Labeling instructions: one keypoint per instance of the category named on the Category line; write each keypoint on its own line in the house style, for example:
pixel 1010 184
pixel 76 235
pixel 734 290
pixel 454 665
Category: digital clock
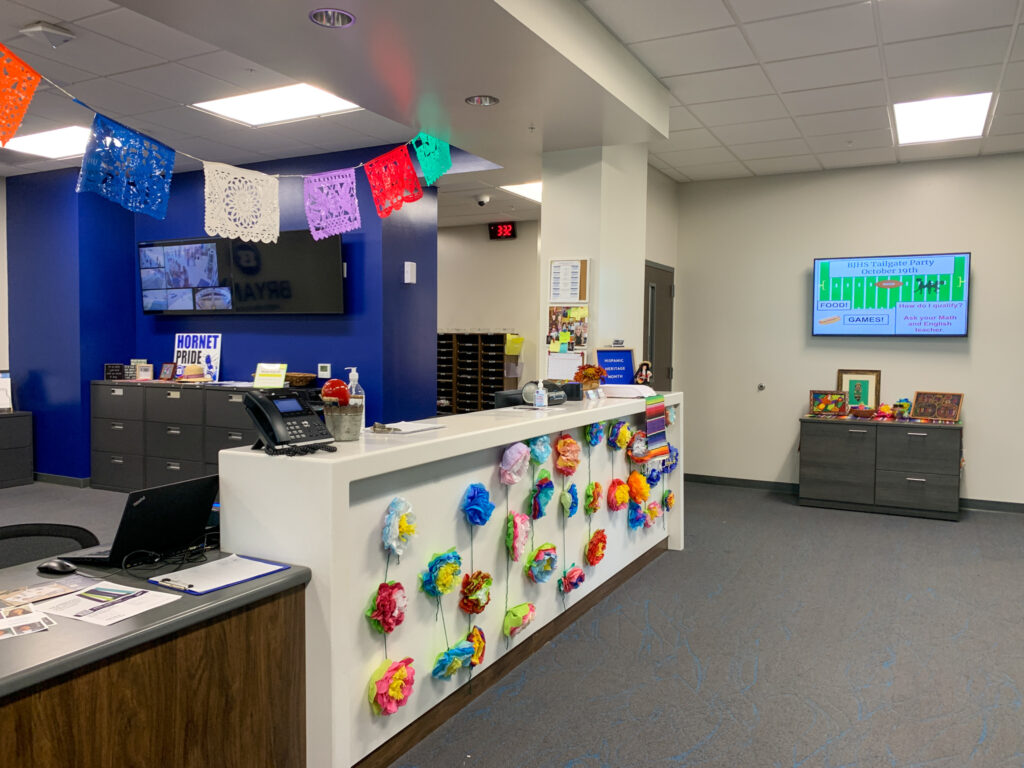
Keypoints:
pixel 502 230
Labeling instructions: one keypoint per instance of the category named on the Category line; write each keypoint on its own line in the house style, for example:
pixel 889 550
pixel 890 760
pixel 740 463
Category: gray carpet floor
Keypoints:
pixel 781 636
pixel 98 511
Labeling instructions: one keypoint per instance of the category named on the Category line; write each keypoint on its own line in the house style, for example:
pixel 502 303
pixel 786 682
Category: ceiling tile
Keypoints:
pixel 939 150
pixel 376 127
pixel 107 95
pixel 160 132
pixel 716 86
pixel 327 133
pixel 69 10
pixel 656 162
pixel 844 122
pixel 675 175
pixel 740 110
pixel 955 82
pixel 680 118
pixel 34 124
pixel 912 19
pixel 1017 52
pixel 635 21
pixel 1014 75
pixel 696 156
pixel 88 51
pixel 755 10
pixel 840 142
pixel 995 145
pixel 62 74
pixel 246 74
pixel 807 34
pixel 139 31
pixel 14 16
pixel 183 164
pixel 937 54
pixel 60 109
pixel 698 52
pixel 766 149
pixel 858 157
pixel 828 69
pixel 774 165
pixel 1007 124
pixel 206 149
pixel 189 121
pixel 1010 103
pixel 178 83
pixel 765 130
pixel 695 138
pixel 835 99
pixel 733 170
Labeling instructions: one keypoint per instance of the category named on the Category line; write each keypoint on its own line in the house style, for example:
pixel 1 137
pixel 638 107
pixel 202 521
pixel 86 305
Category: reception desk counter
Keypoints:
pixel 326 510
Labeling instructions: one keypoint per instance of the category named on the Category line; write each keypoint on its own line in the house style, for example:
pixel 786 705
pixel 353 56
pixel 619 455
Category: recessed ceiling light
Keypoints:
pixel 56 144
pixel 944 119
pixel 278 105
pixel 332 18
pixel 482 100
pixel 530 191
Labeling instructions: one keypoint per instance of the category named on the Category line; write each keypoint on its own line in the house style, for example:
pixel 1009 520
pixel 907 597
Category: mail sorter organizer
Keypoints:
pixel 152 433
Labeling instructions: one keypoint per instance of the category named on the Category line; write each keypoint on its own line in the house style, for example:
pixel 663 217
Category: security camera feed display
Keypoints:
pixel 182 277
pixel 924 295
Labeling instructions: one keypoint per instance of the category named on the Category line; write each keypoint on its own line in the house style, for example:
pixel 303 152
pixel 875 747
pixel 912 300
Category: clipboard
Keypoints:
pixel 218 574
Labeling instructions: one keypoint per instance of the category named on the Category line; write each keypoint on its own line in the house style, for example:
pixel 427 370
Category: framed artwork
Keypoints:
pixel 167 371
pixel 144 372
pixel 941 406
pixel 826 402
pixel 861 387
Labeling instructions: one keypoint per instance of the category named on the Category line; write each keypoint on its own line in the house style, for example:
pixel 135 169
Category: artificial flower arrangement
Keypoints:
pixel 540 449
pixel 619 436
pixel 653 476
pixel 514 463
pixel 590 376
pixel 387 607
pixel 668 466
pixel 517 533
pixel 639 490
pixel 668 500
pixel 390 686
pixel 476 637
pixel 570 500
pixel 542 493
pixel 593 498
pixel 595 434
pixel 517 619
pixel 618 495
pixel 541 563
pixel 571 579
pixel 439 578
pixel 596 547
pixel 637 518
pixel 477 505
pixel 568 455
pixel 399 526
pixel 475 593
pixel 653 513
pixel 450 661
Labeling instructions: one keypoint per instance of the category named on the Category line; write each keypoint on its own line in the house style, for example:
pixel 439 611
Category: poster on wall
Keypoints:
pixel 6 392
pixel 568 282
pixel 197 349
pixel 568 326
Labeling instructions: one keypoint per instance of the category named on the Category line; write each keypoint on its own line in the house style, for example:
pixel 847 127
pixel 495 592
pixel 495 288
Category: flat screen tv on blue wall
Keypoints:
pixel 922 295
pixel 210 275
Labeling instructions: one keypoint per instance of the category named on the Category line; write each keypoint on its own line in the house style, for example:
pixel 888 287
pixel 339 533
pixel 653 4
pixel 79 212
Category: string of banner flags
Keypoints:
pixel 134 170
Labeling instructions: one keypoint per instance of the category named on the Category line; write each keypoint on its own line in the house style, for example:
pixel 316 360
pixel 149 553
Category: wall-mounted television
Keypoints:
pixel 211 275
pixel 920 295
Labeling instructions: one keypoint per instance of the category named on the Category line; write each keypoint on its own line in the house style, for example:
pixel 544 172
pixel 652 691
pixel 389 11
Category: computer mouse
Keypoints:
pixel 56 566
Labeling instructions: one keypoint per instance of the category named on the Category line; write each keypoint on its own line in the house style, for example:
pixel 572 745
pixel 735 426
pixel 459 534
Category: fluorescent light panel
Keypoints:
pixel 532 191
pixel 278 105
pixel 56 144
pixel 944 119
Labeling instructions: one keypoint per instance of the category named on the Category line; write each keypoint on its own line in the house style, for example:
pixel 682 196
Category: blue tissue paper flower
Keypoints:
pixel 451 661
pixel 476 504
pixel 540 449
pixel 637 516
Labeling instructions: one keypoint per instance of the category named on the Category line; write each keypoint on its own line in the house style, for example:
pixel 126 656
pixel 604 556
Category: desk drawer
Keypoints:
pixel 15 466
pixel 117 471
pixel 839 445
pixel 218 438
pixel 117 435
pixel 919 448
pixel 16 431
pixel 116 401
pixel 171 404
pixel 174 441
pixel 164 471
pixel 917 490
pixel 225 409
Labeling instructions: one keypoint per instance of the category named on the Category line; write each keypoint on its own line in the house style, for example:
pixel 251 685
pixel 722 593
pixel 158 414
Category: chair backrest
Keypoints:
pixel 26 542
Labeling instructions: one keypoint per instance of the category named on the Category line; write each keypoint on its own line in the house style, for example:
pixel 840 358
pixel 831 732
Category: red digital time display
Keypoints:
pixel 502 230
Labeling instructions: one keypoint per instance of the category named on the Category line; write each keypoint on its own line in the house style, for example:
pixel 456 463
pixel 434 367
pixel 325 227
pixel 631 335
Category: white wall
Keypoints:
pixel 485 284
pixel 746 249
pixel 5 362
pixel 662 219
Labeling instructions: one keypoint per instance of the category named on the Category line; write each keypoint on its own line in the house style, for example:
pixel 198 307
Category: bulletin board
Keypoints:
pixel 618 362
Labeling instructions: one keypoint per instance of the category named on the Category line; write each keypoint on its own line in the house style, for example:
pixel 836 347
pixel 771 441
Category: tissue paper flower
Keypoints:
pixel 639 490
pixel 619 436
pixel 653 476
pixel 390 686
pixel 653 513
pixel 668 500
pixel 387 607
pixel 669 464
pixel 542 494
pixel 571 579
pixel 399 526
pixel 595 434
pixel 476 591
pixel 568 458
pixel 593 498
pixel 517 533
pixel 596 546
pixel 570 500
pixel 476 504
pixel 618 495
pixel 517 618
pixel 540 449
pixel 514 462
pixel 451 661
pixel 541 563
pixel 476 637
pixel 637 517
pixel 439 578
pixel 637 448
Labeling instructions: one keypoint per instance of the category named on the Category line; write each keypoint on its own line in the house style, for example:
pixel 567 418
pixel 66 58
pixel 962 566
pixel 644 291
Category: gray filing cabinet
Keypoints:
pixel 16 466
pixel 893 467
pixel 153 433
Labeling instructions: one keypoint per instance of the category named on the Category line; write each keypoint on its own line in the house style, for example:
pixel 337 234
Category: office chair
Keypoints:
pixel 29 542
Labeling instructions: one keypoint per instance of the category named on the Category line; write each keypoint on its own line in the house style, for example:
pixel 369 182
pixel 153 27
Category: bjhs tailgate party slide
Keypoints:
pixel 891 296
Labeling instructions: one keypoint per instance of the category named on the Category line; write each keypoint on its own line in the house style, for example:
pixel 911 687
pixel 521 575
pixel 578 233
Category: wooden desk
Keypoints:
pixel 217 680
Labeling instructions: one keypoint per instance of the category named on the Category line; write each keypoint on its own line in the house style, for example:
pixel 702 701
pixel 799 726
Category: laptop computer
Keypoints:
pixel 156 521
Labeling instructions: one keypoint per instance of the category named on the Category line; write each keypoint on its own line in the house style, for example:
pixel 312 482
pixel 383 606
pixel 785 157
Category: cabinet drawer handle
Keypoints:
pixel 173 394
pixel 173 466
pixel 859 431
pixel 174 430
pixel 917 434
pixel 116 460
pixel 235 436
pixel 236 398
pixel 117 392
pixel 917 480
pixel 117 427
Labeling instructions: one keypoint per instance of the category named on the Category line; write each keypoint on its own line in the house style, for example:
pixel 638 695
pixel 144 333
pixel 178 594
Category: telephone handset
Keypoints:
pixel 286 422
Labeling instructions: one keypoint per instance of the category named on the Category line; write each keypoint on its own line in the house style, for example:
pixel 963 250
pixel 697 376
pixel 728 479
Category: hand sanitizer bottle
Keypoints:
pixel 356 394
pixel 540 396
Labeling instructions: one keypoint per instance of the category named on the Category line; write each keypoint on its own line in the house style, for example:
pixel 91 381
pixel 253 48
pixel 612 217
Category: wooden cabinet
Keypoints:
pixel 470 370
pixel 891 467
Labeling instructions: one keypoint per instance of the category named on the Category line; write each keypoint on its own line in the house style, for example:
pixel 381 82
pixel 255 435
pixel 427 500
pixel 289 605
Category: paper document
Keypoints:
pixel 44 590
pixel 23 620
pixel 405 427
pixel 217 574
pixel 107 603
pixel 627 390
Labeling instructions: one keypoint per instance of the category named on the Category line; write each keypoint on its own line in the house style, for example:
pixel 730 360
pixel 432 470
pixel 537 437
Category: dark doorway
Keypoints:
pixel 659 295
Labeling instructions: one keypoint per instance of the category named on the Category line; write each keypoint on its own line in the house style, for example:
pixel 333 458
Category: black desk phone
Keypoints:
pixel 287 422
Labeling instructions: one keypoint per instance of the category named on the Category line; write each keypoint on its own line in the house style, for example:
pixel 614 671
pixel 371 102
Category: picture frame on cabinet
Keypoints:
pixel 167 371
pixel 827 402
pixel 937 406
pixel 861 387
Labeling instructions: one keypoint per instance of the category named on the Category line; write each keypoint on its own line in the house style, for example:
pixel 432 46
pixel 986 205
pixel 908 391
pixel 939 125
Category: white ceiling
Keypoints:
pixel 753 87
